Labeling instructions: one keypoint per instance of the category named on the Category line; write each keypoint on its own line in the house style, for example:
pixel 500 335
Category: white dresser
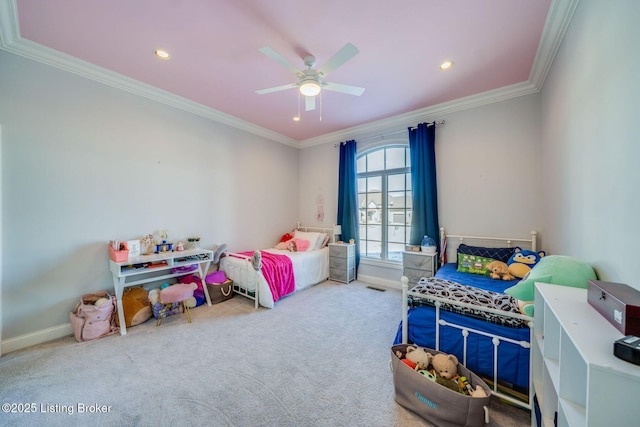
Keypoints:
pixel 576 378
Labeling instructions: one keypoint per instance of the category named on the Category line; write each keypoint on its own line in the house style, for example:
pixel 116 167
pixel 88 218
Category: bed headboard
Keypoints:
pixel 331 232
pixel 452 241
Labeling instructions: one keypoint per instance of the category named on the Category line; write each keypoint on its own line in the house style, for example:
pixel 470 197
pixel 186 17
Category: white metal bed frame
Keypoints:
pixel 528 243
pixel 249 274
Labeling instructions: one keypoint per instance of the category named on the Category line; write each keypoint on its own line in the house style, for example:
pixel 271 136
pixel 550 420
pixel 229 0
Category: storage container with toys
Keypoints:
pixel 438 388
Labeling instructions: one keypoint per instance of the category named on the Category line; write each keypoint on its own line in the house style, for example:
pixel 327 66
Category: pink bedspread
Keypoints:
pixel 278 272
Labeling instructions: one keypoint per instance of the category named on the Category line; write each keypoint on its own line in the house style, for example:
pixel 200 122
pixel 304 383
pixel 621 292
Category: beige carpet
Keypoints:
pixel 319 358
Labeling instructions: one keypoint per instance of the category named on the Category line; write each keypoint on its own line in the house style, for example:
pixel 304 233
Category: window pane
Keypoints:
pixel 375 161
pixel 362 185
pixel 396 182
pixel 374 200
pixel 374 232
pixel 397 217
pixel 408 238
pixel 372 249
pixel 361 165
pixel 374 183
pixel 362 201
pixel 395 158
pixel 409 200
pixel 408 180
pixel 395 234
pixel 395 251
pixel 396 200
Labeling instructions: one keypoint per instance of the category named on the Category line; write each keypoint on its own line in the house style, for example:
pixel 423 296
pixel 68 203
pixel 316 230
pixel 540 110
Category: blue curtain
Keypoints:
pixel 422 153
pixel 348 195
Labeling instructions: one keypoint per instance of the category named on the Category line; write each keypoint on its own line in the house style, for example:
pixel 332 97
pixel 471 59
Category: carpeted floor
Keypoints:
pixel 319 358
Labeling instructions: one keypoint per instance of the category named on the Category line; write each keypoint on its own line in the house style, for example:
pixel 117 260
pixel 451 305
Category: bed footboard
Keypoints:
pixel 245 272
pixel 466 331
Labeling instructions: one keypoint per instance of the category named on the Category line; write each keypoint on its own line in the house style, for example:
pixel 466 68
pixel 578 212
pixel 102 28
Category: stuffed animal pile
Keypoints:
pixel 440 368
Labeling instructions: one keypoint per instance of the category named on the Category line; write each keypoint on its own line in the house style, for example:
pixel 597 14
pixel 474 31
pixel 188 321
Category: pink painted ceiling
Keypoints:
pixel 216 61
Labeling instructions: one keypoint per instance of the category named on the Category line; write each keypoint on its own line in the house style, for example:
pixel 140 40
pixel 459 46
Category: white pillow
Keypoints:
pixel 315 239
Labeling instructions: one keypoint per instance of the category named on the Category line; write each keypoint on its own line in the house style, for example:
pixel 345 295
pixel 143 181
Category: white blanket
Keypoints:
pixel 309 268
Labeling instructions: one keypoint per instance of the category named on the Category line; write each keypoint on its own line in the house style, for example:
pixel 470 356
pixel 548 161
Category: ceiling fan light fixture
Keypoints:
pixel 309 87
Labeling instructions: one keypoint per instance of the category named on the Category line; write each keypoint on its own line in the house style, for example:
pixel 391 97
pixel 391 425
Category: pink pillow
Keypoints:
pixel 301 244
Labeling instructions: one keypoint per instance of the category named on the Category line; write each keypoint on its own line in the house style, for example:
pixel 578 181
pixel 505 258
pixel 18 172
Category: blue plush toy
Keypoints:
pixel 522 261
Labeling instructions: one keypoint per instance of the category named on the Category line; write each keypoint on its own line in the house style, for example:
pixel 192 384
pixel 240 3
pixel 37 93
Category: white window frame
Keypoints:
pixel 364 150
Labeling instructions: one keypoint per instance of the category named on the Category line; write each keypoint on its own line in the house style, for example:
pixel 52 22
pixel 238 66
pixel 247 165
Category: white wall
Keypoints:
pixel 83 163
pixel 591 149
pixel 489 175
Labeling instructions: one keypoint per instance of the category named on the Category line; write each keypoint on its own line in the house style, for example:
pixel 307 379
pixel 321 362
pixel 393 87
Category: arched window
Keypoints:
pixel 384 200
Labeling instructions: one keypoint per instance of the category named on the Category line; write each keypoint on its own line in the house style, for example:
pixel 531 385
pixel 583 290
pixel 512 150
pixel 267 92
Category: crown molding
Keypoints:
pixel 558 20
pixel 402 121
pixel 556 25
pixel 12 42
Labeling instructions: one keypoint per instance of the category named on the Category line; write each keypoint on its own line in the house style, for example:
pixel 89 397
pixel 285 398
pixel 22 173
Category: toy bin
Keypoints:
pixel 219 287
pixel 437 403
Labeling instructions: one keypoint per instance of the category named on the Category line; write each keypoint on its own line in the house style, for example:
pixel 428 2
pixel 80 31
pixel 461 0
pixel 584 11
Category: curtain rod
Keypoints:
pixel 437 122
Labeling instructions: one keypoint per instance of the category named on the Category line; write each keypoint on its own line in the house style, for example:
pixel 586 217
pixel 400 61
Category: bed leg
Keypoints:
pixel 405 307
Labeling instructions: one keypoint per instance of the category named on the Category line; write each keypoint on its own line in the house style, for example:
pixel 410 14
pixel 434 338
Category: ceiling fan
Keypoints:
pixel 311 81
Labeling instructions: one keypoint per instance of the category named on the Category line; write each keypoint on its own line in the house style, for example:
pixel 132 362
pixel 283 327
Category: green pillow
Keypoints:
pixel 555 269
pixel 474 264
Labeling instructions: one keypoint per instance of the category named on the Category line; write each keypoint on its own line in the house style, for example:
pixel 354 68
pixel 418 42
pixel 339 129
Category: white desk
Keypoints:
pixel 147 272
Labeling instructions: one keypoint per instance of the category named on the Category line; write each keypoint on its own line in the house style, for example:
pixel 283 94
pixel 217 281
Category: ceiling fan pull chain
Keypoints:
pixel 320 106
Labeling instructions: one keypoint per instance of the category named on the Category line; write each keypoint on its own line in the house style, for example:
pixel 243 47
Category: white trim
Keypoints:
pixel 558 19
pixel 11 41
pixel 372 280
pixel 37 337
pixel 403 121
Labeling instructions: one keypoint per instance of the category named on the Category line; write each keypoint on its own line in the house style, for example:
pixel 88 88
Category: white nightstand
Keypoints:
pixel 342 262
pixel 418 264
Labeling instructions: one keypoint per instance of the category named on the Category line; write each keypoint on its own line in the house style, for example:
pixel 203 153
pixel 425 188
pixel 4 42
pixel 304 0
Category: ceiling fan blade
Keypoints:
pixel 337 87
pixel 276 89
pixel 280 59
pixel 342 56
pixel 310 103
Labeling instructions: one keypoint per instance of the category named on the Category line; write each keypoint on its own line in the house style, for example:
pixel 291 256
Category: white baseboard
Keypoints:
pixel 389 284
pixel 33 338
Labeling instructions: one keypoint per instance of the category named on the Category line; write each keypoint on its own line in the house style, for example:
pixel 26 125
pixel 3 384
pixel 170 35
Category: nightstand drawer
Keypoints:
pixel 418 261
pixel 342 275
pixel 343 263
pixel 414 275
pixel 342 251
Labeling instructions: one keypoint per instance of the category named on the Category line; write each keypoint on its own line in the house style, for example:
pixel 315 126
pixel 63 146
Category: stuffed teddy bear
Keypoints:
pixel 499 270
pixel 445 368
pixel 418 357
pixel 135 304
pixel 522 261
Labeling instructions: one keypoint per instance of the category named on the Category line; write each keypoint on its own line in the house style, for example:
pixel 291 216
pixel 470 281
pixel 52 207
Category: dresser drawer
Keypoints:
pixel 418 261
pixel 342 275
pixel 343 263
pixel 414 275
pixel 342 251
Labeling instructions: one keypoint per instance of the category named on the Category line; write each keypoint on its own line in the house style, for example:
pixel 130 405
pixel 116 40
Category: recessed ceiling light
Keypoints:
pixel 446 65
pixel 162 54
